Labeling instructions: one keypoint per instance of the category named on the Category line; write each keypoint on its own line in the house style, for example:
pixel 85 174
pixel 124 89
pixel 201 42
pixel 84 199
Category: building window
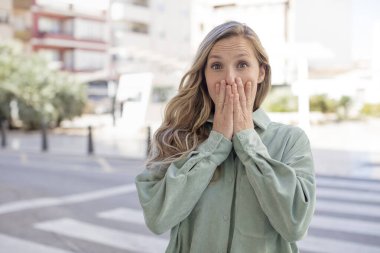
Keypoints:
pixel 4 16
pixel 138 27
pixel 144 3
pixel 83 60
pixel 50 26
pixel 50 54
pixel 87 29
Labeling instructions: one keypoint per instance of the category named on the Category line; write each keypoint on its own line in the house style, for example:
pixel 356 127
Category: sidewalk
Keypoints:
pixel 107 141
pixel 343 149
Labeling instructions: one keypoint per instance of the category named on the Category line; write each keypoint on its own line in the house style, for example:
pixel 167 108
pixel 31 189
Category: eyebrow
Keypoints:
pixel 219 57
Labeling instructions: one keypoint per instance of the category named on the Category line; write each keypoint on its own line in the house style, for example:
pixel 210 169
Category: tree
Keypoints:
pixel 322 103
pixel 42 95
pixel 69 99
pixel 345 103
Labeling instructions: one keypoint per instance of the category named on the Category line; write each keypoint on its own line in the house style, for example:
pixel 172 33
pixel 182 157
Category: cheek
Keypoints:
pixel 249 77
pixel 252 76
pixel 211 87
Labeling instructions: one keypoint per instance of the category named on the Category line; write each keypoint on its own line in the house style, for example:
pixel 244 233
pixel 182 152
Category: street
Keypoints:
pixel 57 204
pixel 52 203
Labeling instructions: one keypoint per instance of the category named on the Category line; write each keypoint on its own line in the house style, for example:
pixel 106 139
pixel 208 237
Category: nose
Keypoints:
pixel 230 76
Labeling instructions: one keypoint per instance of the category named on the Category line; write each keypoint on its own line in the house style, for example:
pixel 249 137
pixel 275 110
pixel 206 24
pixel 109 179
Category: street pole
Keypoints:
pixel 3 133
pixel 90 146
pixel 44 135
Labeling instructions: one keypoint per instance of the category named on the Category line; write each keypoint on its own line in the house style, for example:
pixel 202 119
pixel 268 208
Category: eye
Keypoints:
pixel 242 65
pixel 216 66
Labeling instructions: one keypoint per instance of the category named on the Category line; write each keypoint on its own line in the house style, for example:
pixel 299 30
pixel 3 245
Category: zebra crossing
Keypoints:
pixel 110 237
pixel 347 212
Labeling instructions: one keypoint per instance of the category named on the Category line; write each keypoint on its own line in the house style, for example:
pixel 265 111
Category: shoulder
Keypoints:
pixel 283 129
pixel 289 137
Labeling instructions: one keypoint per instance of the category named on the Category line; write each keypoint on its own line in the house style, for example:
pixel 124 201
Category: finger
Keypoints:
pixel 242 93
pixel 221 96
pixel 248 91
pixel 236 102
pixel 228 94
pixel 230 104
pixel 234 88
pixel 254 92
pixel 217 91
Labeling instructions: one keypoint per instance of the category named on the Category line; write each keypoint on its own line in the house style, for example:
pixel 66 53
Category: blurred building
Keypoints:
pixel 151 36
pixel 305 40
pixel 6 31
pixel 72 38
pixel 270 19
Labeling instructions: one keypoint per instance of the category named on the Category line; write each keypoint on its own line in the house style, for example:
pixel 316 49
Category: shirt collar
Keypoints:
pixel 260 119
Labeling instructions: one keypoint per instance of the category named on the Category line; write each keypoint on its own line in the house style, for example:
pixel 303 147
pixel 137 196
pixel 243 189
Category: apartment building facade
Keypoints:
pixel 72 39
pixel 150 36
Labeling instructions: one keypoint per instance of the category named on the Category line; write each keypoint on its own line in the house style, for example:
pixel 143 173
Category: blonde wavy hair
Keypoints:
pixel 184 125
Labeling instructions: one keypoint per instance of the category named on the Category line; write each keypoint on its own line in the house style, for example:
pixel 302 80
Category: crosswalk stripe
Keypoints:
pixel 326 245
pixel 352 195
pixel 16 245
pixel 70 199
pixel 348 208
pixel 346 225
pixel 125 215
pixel 106 167
pixel 348 183
pixel 106 236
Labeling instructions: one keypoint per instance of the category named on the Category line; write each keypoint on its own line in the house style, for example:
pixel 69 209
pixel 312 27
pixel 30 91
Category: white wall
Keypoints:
pixel 326 26
pixel 376 54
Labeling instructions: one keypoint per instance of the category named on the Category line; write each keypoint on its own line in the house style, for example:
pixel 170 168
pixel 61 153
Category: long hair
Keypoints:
pixel 183 127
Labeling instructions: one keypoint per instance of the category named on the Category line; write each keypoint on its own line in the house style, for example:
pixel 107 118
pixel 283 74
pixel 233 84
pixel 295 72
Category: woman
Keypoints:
pixel 221 175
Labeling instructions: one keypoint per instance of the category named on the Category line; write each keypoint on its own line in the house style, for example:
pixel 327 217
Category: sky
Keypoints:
pixel 365 14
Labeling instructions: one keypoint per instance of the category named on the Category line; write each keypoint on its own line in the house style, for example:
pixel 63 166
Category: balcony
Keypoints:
pixel 130 12
pixel 71 29
pixel 60 42
pixel 130 38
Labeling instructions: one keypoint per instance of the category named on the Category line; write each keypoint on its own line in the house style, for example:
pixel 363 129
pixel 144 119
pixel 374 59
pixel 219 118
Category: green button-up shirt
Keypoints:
pixel 262 202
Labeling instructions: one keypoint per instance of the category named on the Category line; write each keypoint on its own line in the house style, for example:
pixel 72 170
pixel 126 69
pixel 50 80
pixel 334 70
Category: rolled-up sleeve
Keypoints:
pixel 168 200
pixel 285 189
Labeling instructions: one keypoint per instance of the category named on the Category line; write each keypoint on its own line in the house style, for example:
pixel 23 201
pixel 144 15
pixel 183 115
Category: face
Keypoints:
pixel 229 59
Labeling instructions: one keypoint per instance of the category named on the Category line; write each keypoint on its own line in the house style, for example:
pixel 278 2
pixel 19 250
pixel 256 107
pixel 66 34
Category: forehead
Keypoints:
pixel 232 45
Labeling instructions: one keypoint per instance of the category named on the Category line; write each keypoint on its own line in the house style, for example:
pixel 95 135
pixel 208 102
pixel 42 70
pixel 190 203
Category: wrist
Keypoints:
pixel 244 127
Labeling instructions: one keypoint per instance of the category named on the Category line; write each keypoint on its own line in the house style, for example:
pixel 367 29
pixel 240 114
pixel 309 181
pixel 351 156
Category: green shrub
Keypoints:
pixel 322 103
pixel 370 109
pixel 40 93
pixel 280 99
